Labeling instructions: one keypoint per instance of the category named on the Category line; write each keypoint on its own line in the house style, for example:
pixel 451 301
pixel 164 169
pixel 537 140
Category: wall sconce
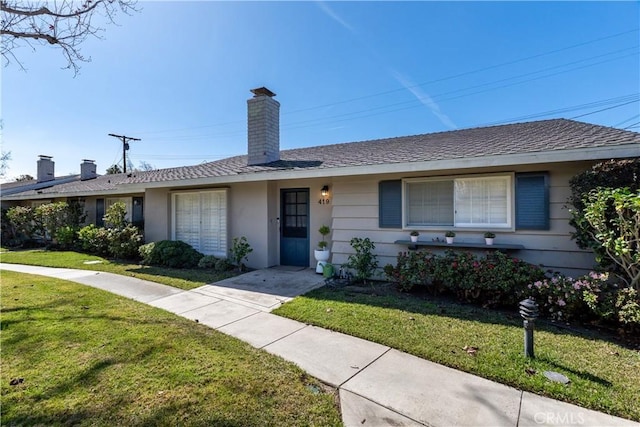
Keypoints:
pixel 325 191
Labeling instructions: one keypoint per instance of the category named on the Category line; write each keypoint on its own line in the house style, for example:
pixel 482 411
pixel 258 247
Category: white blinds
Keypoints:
pixel 200 219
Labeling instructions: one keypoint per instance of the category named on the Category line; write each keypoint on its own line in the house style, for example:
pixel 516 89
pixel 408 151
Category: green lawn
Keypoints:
pixel 179 278
pixel 88 357
pixel 605 376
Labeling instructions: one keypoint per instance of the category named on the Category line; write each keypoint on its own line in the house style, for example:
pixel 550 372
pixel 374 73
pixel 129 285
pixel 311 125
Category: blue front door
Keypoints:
pixel 294 227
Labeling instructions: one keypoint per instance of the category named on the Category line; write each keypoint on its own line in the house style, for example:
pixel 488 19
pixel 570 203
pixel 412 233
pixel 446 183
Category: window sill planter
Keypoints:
pixel 488 241
pixel 502 247
pixel 449 240
pixel 414 238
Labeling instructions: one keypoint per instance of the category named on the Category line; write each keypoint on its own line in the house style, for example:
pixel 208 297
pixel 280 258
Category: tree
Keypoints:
pixel 5 156
pixel 25 177
pixel 65 24
pixel 113 169
pixel 145 166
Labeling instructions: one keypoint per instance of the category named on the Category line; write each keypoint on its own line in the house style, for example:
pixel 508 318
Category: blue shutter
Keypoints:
pixel 390 204
pixel 100 212
pixel 532 201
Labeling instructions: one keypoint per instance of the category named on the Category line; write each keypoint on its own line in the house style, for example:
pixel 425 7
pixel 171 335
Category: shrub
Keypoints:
pixel 413 269
pixel 145 252
pixel 170 253
pixel 613 216
pixel 66 237
pixel 364 261
pixel 222 265
pixel 627 307
pixel 590 297
pixel 564 298
pixel 115 216
pixel 23 221
pixel 494 280
pixel 240 249
pixel 207 261
pixel 51 217
pixel 94 240
pixel 620 173
pixel 124 243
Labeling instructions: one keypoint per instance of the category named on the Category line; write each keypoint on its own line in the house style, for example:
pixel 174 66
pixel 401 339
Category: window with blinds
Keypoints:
pixel 200 219
pixel 459 202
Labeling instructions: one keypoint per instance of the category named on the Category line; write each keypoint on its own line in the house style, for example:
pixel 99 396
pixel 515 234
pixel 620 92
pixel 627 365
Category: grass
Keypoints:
pixel 179 278
pixel 88 357
pixel 605 376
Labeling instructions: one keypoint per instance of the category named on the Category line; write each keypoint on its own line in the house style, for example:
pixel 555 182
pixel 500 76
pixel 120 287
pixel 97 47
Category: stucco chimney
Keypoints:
pixel 88 170
pixel 45 168
pixel 263 117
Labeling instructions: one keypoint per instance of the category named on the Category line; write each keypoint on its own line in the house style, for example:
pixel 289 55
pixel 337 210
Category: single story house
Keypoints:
pixel 510 179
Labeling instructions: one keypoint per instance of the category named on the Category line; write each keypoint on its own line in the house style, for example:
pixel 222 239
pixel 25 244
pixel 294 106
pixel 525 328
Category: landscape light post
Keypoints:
pixel 529 312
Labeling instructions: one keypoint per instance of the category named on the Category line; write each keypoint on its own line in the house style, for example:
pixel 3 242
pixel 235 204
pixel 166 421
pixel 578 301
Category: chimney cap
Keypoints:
pixel 44 156
pixel 88 161
pixel 262 91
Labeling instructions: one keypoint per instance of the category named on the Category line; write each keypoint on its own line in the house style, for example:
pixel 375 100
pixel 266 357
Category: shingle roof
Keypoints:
pixel 520 138
pixel 8 188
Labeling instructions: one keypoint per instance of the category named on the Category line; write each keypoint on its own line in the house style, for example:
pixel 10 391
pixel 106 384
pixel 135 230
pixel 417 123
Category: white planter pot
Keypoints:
pixel 488 241
pixel 449 240
pixel 322 257
pixel 414 238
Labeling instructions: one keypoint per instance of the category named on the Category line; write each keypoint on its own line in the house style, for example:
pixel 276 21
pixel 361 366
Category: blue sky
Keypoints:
pixel 178 74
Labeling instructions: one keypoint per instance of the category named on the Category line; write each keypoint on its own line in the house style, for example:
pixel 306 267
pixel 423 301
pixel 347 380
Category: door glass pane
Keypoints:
pixel 295 214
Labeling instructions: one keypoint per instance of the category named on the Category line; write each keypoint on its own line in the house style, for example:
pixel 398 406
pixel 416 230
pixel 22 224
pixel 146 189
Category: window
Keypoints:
pixel 471 202
pixel 466 202
pixel 200 219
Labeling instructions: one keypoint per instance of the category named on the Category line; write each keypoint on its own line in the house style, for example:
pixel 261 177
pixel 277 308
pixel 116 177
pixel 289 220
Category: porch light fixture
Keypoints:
pixel 325 191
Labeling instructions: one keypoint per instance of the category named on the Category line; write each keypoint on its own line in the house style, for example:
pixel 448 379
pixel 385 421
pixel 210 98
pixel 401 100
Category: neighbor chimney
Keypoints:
pixel 263 113
pixel 45 168
pixel 87 170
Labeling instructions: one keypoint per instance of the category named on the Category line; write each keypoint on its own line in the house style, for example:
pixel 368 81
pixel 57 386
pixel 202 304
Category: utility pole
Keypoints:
pixel 125 147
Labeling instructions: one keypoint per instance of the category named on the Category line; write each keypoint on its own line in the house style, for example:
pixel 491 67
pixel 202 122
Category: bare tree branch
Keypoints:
pixel 64 24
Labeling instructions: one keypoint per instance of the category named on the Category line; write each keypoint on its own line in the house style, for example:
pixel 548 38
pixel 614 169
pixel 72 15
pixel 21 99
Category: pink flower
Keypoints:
pixel 561 302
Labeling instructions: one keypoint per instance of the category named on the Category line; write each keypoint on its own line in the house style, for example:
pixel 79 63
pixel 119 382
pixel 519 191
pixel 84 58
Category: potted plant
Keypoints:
pixel 322 254
pixel 414 236
pixel 488 237
pixel 449 235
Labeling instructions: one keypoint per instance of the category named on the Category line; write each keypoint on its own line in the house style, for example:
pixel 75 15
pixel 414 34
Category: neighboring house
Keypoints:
pixel 510 179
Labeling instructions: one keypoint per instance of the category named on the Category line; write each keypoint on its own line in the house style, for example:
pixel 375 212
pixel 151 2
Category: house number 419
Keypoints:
pixel 324 201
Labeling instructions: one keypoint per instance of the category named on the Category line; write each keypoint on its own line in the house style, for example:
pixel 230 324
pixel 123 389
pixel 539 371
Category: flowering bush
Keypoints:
pixel 565 298
pixel 414 268
pixel 494 280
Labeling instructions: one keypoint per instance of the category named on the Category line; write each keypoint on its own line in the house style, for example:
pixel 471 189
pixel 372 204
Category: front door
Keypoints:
pixel 294 227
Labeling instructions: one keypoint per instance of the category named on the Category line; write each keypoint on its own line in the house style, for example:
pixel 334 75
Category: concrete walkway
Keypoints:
pixel 378 386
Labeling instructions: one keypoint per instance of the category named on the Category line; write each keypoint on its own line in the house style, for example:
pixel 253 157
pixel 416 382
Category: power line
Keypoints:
pixel 604 109
pixel 503 64
pixel 491 67
pixel 626 120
